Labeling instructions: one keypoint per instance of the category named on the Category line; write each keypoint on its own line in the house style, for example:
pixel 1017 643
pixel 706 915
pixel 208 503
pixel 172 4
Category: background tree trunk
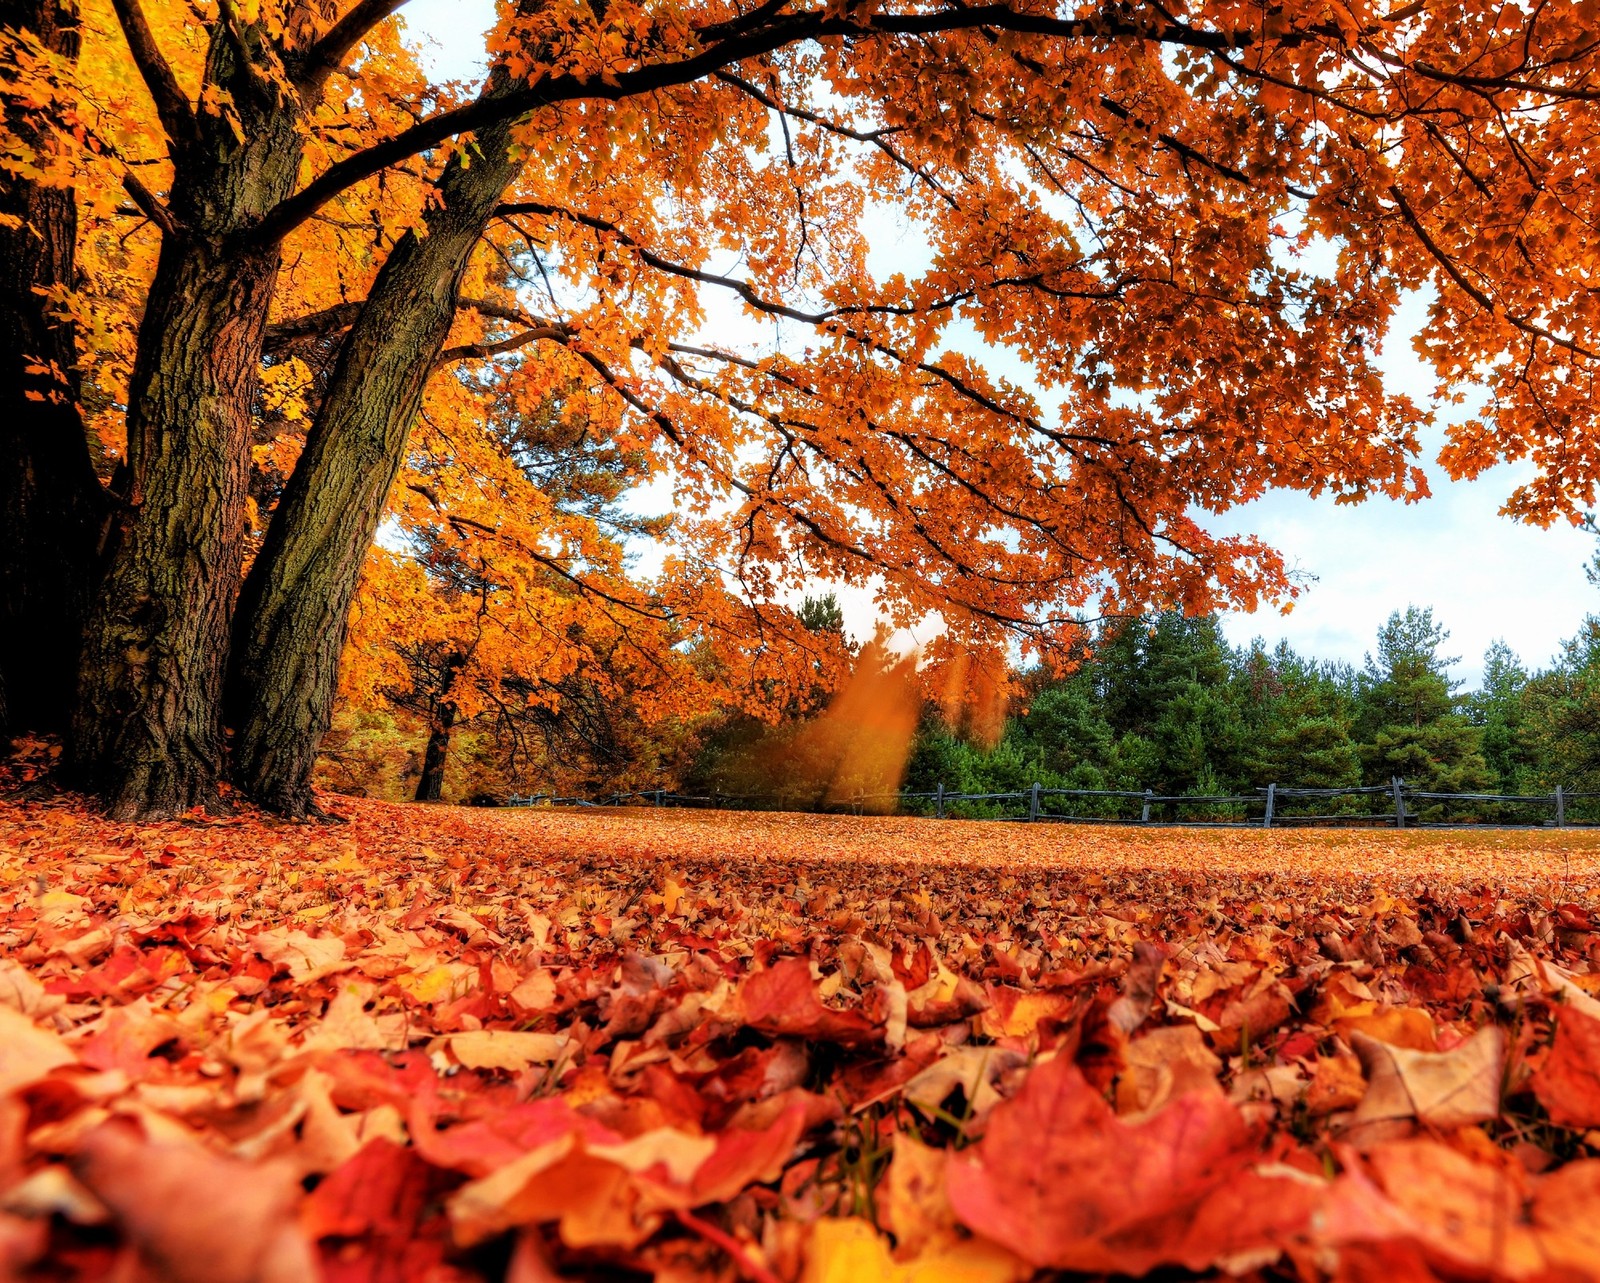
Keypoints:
pixel 431 786
pixel 290 626
pixel 52 505
pixel 146 734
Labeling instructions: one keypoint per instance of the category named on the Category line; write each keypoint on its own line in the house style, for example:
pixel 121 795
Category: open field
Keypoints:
pixel 478 1045
pixel 1524 857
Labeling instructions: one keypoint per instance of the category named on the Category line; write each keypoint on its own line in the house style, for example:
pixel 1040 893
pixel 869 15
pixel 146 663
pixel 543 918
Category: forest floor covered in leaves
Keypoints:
pixel 445 1044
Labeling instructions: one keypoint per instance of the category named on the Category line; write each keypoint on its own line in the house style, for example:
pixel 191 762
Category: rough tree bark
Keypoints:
pixel 52 505
pixel 290 625
pixel 146 733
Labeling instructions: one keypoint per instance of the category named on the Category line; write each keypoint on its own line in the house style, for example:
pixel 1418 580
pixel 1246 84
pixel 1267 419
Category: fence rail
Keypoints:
pixel 1400 806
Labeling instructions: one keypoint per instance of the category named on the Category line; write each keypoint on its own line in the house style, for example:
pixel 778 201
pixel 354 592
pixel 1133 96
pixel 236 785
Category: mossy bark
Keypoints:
pixel 146 733
pixel 290 627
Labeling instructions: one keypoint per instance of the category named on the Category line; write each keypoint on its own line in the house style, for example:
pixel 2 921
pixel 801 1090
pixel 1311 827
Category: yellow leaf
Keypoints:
pixel 851 1251
pixel 505 1049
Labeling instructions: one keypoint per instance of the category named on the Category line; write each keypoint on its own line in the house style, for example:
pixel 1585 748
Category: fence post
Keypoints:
pixel 1144 814
pixel 1272 797
pixel 938 801
pixel 1033 802
pixel 1561 808
pixel 1397 784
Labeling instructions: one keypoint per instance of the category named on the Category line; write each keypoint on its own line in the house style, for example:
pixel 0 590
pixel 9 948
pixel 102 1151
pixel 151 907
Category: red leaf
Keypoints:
pixel 782 1000
pixel 1065 1184
pixel 1568 1083
pixel 389 1199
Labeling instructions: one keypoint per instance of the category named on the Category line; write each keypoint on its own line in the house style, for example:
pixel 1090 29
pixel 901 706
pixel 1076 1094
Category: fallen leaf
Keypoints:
pixel 782 1000
pixel 1139 985
pixel 851 1251
pixel 194 1216
pixel 912 1198
pixel 1166 1062
pixel 1443 1089
pixel 27 1052
pixel 1568 1082
pixel 505 1049
pixel 1065 1184
pixel 975 1070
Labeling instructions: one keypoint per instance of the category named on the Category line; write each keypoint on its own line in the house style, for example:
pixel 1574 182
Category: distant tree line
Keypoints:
pixel 1166 703
pixel 1162 703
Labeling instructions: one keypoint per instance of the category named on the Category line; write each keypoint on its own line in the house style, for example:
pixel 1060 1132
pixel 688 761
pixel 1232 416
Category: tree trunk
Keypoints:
pixel 146 733
pixel 431 786
pixel 51 503
pixel 290 626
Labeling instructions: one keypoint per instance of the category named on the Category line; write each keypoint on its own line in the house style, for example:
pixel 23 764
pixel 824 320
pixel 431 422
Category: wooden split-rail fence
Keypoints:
pixel 1393 805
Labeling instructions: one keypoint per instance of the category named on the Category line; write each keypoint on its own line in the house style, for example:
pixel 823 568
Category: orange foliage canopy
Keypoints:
pixel 1150 257
pixel 457 1045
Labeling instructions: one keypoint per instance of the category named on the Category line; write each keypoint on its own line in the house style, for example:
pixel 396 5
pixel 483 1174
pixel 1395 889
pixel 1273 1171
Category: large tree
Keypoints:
pixel 52 506
pixel 1120 196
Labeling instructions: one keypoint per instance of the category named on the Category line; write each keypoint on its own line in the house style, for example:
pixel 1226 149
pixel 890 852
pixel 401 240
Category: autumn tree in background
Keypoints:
pixel 1119 198
pixel 503 607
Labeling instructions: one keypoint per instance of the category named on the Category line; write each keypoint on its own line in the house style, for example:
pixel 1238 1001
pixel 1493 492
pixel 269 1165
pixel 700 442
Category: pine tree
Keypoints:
pixel 1298 722
pixel 1408 716
pixel 1498 708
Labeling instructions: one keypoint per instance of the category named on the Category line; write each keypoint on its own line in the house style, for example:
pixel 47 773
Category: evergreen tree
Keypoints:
pixel 1407 713
pixel 1167 681
pixel 1558 717
pixel 1065 722
pixel 822 615
pixel 1498 708
pixel 1297 719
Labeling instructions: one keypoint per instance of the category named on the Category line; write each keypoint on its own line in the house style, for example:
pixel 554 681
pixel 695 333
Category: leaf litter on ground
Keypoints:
pixel 451 1045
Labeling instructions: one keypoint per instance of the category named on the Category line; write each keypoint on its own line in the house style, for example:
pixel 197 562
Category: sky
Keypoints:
pixel 1486 577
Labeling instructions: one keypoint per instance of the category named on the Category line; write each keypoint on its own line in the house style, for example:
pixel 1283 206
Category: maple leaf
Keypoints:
pixel 1443 1089
pixel 242 1231
pixel 27 1052
pixel 1568 1082
pixel 1065 1184
pixel 783 1000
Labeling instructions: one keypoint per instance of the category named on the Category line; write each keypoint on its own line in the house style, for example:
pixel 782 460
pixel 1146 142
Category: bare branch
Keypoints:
pixel 172 104
pixel 327 56
pixel 482 351
pixel 150 205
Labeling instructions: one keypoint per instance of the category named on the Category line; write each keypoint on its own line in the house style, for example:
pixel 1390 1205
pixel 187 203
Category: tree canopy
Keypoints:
pixel 1163 247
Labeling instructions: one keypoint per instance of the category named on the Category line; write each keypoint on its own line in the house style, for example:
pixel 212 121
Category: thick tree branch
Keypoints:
pixel 482 351
pixel 327 56
pixel 784 30
pixel 329 320
pixel 341 316
pixel 172 104
pixel 150 205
